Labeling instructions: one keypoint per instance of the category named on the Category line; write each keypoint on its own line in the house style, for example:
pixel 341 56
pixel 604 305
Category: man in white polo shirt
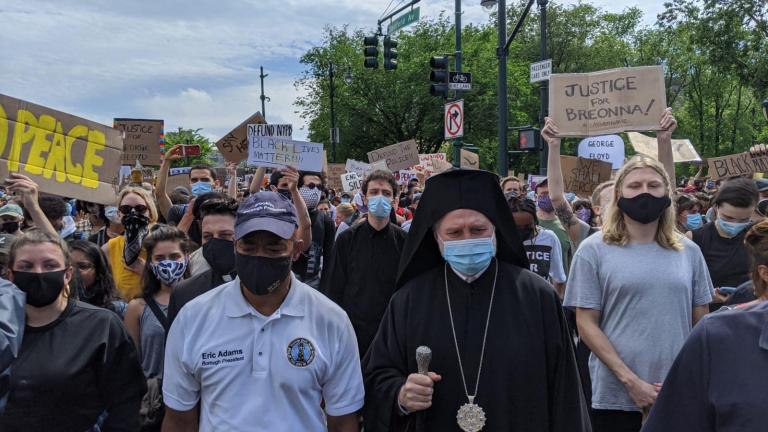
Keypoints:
pixel 260 353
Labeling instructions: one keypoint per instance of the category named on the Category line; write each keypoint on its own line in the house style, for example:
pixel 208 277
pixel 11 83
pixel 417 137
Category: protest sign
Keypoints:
pixel 350 182
pixel 534 180
pixel 582 176
pixel 234 145
pixel 734 165
pixel 682 149
pixel 65 155
pixel 608 148
pixel 333 175
pixel 610 101
pixel 276 152
pixel 426 161
pixel 397 156
pixel 404 176
pixel 469 160
pixel 143 141
pixel 178 177
pixel 361 168
pixel 380 164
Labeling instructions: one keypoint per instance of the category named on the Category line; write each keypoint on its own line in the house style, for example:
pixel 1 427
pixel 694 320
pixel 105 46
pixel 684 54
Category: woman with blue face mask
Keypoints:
pixel 689 215
pixel 147 317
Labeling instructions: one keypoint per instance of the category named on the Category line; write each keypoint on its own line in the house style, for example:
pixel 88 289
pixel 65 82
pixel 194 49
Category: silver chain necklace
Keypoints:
pixel 470 417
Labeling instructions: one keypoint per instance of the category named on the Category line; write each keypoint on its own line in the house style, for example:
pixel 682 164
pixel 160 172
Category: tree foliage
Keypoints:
pixel 714 52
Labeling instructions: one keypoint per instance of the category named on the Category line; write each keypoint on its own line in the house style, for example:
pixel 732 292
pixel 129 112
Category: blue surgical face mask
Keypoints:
pixel 695 221
pixel 200 188
pixel 732 229
pixel 469 257
pixel 380 206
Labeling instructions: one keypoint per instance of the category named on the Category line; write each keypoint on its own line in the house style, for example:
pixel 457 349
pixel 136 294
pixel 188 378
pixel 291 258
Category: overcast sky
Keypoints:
pixel 193 63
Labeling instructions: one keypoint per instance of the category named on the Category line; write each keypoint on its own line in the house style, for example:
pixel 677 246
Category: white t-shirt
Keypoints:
pixel 545 255
pixel 253 372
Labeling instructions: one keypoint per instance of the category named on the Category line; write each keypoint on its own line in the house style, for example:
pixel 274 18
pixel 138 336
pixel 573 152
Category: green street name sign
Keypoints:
pixel 403 21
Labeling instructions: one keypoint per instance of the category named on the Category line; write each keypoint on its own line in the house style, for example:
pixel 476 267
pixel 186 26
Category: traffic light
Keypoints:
pixel 371 52
pixel 439 76
pixel 528 139
pixel 390 53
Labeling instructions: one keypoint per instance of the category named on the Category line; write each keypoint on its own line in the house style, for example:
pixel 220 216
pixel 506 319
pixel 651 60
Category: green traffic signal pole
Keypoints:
pixel 457 141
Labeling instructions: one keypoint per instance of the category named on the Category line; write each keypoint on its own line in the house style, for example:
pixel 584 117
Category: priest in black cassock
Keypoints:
pixel 501 355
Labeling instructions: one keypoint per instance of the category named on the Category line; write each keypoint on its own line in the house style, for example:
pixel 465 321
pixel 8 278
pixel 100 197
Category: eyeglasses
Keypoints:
pixel 127 209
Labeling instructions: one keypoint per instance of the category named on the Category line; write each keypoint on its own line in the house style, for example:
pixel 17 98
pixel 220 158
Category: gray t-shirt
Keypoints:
pixel 645 294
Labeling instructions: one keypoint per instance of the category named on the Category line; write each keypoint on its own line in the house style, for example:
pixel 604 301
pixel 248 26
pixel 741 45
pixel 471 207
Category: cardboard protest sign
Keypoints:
pixel 361 168
pixel 380 164
pixel 469 159
pixel 234 145
pixel 143 141
pixel 333 177
pixel 65 155
pixel 682 149
pixel 608 148
pixel 277 152
pixel 734 165
pixel 610 101
pixel 350 182
pixel 398 156
pixel 404 176
pixel 178 177
pixel 582 176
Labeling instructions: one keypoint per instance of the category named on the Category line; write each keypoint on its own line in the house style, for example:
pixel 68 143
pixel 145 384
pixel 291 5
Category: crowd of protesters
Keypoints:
pixel 283 304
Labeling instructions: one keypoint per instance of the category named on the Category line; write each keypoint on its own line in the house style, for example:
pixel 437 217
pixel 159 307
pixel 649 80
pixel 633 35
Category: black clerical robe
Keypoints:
pixel 361 275
pixel 529 381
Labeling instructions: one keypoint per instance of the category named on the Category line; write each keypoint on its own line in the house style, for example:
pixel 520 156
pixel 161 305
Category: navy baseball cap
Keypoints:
pixel 266 211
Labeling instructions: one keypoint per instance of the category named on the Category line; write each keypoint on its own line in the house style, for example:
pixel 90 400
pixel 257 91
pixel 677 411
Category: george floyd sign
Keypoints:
pixel 65 155
pixel 606 102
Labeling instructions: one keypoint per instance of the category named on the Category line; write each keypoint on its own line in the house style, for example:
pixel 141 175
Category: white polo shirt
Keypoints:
pixel 252 372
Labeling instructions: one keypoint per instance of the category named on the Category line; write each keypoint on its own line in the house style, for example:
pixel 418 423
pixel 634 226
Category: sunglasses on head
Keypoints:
pixel 127 209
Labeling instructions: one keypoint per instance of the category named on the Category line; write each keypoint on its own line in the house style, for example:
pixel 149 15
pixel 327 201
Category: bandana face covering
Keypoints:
pixel 135 230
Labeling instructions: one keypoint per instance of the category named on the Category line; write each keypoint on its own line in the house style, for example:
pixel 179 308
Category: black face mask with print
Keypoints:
pixel 262 275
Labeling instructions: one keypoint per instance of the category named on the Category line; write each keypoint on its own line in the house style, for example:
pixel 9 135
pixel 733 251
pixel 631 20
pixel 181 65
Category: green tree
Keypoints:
pixel 191 137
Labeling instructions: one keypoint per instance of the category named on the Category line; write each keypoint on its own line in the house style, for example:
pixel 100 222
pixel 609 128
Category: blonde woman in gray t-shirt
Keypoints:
pixel 638 287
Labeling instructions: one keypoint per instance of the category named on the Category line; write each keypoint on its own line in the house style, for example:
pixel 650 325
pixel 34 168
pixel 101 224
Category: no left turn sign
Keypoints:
pixel 454 119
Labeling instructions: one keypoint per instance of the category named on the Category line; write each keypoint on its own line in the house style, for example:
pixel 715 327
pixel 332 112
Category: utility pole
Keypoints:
pixel 334 131
pixel 457 141
pixel 544 85
pixel 263 98
pixel 501 53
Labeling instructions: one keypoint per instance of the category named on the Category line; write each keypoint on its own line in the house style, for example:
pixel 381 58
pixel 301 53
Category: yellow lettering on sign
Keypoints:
pixel 40 146
pixel 3 129
pixel 23 132
pixel 57 155
pixel 96 143
pixel 74 170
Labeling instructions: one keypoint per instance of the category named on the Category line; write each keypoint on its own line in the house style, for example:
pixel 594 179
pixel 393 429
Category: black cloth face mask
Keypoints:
pixel 42 289
pixel 220 254
pixel 262 275
pixel 644 208
pixel 526 233
pixel 9 227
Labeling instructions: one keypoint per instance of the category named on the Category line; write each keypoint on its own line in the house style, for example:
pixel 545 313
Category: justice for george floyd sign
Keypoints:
pixel 606 102
pixel 65 155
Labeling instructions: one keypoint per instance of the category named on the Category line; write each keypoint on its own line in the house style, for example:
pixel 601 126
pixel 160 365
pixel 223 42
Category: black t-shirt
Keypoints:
pixel 727 258
pixel 72 370
pixel 323 234
pixel 174 217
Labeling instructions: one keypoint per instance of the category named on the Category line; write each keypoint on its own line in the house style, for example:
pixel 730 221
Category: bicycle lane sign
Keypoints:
pixel 454 119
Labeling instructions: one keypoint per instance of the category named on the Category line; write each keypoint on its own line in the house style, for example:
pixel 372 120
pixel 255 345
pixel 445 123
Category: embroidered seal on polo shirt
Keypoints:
pixel 301 352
